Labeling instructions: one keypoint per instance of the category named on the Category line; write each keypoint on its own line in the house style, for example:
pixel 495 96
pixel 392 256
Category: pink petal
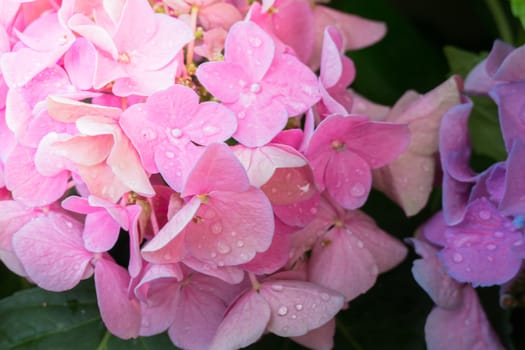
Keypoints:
pixel 79 62
pixel 244 323
pixel 341 262
pixel 212 122
pixel 68 111
pixel 100 232
pixel 463 328
pixel 222 79
pixel 348 179
pixel 173 228
pixel 321 338
pixel 175 162
pixel 120 314
pixel 52 252
pixel 233 227
pixel 250 47
pixel 512 201
pixel 298 307
pixel 216 170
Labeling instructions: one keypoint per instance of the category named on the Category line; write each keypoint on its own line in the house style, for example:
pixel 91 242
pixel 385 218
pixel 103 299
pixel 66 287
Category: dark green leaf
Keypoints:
pixel 461 61
pixel 36 319
pixel 518 10
pixel 484 129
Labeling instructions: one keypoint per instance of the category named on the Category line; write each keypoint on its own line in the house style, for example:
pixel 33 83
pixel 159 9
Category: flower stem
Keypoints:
pixel 355 345
pixel 191 45
pixel 500 19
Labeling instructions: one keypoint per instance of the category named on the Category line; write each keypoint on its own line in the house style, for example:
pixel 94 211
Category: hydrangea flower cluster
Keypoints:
pixel 200 131
pixel 478 238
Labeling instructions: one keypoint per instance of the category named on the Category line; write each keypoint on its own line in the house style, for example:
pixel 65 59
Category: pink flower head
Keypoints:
pixel 225 222
pixel 344 149
pixel 264 88
pixel 165 128
pixel 141 59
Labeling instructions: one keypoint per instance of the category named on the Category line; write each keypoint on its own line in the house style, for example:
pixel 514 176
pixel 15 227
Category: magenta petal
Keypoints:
pixel 120 314
pixel 479 249
pixel 463 328
pixel 52 251
pixel 233 227
pixel 512 202
pixel 244 323
pixel 249 46
pixel 216 170
pixel 296 306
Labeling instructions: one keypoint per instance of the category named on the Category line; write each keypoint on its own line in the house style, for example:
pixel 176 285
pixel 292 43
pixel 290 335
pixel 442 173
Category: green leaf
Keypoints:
pixel 518 10
pixel 461 61
pixel 37 319
pixel 484 129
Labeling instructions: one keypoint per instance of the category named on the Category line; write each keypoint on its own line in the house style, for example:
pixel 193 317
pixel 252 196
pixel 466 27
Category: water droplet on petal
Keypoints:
pixel 299 307
pixel 360 244
pixel 491 246
pixel 210 130
pixel 170 154
pixel 216 228
pixel 148 134
pixel 255 41
pixel 255 88
pixel 209 214
pixel 176 132
pixel 467 322
pixel 358 190
pixel 457 258
pixel 484 214
pixel 325 296
pixel 223 247
pixel 283 310
pixel 241 115
pixel 294 317
pixel 240 244
pixel 313 211
pixel 490 259
pixel 277 287
pixel 213 255
pixel 69 224
pixel 167 256
pixel 498 234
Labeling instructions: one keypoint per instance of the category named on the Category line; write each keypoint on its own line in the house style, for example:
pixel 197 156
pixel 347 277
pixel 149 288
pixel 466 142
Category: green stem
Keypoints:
pixel 104 342
pixel 503 25
pixel 347 335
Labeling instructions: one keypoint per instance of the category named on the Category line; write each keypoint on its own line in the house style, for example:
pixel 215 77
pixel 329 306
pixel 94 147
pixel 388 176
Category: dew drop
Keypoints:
pixel 298 307
pixel 314 305
pixel 240 244
pixel 294 317
pixel 490 259
pixel 210 130
pixel 213 255
pixel 467 322
pixel 325 296
pixel 277 287
pixel 283 310
pixel 223 247
pixel 255 88
pixel 360 244
pixel 498 234
pixel 241 115
pixel 255 41
pixel 170 154
pixel 313 211
pixel 358 190
pixel 176 132
pixel 234 233
pixel 518 243
pixel 216 228
pixel 484 214
pixel 457 258
pixel 468 269
pixel 491 246
pixel 69 224
pixel 167 256
pixel 148 134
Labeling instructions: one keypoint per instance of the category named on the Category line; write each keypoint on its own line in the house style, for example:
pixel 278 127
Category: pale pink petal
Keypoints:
pixel 79 62
pixel 298 307
pixel 121 315
pixel 211 123
pixel 100 232
pixel 222 79
pixel 321 338
pixel 463 328
pixel 175 162
pixel 244 323
pixel 68 111
pixel 341 262
pixel 52 252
